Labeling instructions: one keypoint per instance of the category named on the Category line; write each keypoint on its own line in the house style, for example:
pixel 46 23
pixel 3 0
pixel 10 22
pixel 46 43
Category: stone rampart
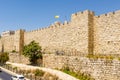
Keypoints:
pixel 17 58
pixel 99 69
pixel 85 33
pixel 107 33
pixel 7 43
pixel 66 36
pixel 12 42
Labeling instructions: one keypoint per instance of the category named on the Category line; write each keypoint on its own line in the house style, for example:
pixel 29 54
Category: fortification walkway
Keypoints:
pixel 61 75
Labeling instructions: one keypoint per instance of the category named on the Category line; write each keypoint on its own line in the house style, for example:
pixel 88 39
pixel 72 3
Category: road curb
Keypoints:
pixel 10 72
pixel 61 75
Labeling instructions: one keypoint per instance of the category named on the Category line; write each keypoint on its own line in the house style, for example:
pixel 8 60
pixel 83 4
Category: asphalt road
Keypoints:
pixel 5 76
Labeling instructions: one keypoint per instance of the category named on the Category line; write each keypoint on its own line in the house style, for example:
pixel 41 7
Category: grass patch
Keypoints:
pixel 99 56
pixel 80 76
pixel 119 58
pixel 39 72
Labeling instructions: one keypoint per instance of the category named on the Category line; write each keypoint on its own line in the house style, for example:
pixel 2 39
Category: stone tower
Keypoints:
pixel 19 40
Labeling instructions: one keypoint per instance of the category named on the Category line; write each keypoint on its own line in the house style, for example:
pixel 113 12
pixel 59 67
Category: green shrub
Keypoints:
pixel 39 72
pixel 4 57
pixel 14 68
pixel 78 75
pixel 13 51
pixel 33 51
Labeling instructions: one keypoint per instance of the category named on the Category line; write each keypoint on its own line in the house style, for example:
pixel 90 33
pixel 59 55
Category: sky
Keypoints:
pixel 35 14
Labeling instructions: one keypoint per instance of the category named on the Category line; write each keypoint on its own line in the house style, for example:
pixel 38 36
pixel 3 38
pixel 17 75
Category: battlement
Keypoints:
pixel 108 14
pixel 58 24
pixel 74 16
pixel 81 14
pixel 52 26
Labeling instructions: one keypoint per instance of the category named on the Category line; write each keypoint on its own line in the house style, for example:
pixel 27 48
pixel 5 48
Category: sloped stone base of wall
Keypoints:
pixel 99 69
pixel 16 58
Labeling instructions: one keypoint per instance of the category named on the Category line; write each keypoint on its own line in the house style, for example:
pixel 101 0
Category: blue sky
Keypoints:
pixel 34 14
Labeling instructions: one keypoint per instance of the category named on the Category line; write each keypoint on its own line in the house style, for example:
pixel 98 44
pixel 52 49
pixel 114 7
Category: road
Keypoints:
pixel 4 75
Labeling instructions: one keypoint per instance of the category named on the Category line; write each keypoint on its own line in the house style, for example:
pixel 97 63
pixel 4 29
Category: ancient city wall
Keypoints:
pixel 85 33
pixel 68 36
pixel 7 43
pixel 107 33
pixel 100 69
pixel 12 42
pixel 17 58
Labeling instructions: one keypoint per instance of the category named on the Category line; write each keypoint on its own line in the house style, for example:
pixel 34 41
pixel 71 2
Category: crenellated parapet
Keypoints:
pixel 108 14
pixel 81 14
pixel 55 25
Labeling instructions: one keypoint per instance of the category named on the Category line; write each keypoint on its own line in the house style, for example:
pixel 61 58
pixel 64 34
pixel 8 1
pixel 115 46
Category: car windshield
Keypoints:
pixel 15 76
pixel 21 77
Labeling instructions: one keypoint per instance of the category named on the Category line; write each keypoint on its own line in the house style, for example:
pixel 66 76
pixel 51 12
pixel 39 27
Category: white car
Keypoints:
pixel 18 77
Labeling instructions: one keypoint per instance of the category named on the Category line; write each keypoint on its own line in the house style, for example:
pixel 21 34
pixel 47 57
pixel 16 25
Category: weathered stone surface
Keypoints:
pixel 107 33
pixel 17 58
pixel 84 34
pixel 100 69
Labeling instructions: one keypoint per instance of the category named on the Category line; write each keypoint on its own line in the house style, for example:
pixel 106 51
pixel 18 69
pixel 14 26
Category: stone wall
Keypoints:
pixel 7 43
pixel 85 33
pixel 12 42
pixel 99 69
pixel 17 58
pixel 107 33
pixel 66 36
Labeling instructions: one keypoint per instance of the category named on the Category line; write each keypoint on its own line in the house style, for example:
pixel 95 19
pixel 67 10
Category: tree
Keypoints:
pixel 4 57
pixel 33 51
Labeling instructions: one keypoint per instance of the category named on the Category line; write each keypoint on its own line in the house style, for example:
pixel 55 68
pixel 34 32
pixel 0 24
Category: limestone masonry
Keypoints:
pixel 84 34
pixel 99 69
